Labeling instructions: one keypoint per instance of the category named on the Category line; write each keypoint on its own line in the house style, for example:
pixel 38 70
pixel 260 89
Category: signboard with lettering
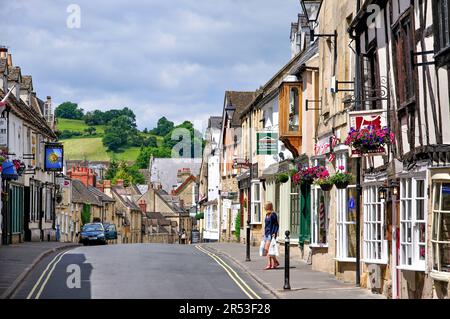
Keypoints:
pixel 376 119
pixel 267 143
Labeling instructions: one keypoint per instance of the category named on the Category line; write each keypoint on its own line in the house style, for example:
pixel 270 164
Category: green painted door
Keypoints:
pixel 305 214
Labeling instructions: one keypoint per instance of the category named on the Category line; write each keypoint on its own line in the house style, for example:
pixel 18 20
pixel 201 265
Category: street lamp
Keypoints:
pixel 230 111
pixel 311 9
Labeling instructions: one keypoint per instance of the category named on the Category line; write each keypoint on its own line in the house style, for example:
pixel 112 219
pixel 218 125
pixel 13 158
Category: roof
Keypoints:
pixel 14 74
pixel 28 114
pixel 170 200
pixel 100 195
pixel 81 194
pixel 3 65
pixel 27 83
pixel 184 184
pixel 239 100
pixel 124 197
pixel 164 170
pixel 215 122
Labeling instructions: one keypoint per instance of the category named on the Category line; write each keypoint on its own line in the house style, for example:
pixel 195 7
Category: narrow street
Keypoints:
pixel 149 271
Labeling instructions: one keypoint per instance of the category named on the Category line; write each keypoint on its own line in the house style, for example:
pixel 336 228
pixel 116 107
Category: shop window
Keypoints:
pixel 412 223
pixel 319 221
pixel 441 227
pixel 345 217
pixel 375 246
pixel 256 203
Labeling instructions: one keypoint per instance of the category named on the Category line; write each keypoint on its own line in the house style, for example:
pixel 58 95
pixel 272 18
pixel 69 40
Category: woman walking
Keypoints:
pixel 270 231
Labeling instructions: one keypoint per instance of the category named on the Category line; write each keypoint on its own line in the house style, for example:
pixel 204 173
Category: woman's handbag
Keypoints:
pixel 273 249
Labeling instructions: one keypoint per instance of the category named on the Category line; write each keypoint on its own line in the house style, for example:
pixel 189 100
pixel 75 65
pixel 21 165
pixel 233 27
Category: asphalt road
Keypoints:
pixel 148 271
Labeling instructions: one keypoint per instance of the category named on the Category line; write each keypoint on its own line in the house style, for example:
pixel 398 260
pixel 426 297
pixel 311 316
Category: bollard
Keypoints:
pixel 287 285
pixel 248 242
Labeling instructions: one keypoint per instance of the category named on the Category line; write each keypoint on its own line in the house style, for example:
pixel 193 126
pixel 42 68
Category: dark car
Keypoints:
pixel 93 233
pixel 110 231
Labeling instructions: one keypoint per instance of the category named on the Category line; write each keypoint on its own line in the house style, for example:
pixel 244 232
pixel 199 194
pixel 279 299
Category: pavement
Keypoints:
pixel 16 262
pixel 305 283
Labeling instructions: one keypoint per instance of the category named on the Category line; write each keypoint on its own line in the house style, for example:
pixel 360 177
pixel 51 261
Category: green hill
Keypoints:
pixel 90 147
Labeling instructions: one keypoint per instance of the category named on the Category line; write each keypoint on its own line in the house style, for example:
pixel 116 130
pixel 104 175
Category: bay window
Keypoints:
pixel 412 223
pixel 294 109
pixel 256 203
pixel 375 246
pixel 441 227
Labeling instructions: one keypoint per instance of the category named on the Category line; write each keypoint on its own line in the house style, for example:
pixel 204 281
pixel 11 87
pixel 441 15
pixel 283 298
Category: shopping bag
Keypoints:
pixel 262 251
pixel 273 248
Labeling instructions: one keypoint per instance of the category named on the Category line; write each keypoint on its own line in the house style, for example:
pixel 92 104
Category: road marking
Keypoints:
pixel 42 275
pixel 248 291
pixel 49 275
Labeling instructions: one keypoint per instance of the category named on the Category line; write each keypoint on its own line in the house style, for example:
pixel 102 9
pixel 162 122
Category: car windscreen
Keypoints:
pixel 92 228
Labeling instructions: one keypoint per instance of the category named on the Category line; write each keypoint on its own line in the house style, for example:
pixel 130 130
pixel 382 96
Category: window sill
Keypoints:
pixel 345 260
pixel 318 246
pixel 440 276
pixel 378 262
pixel 411 268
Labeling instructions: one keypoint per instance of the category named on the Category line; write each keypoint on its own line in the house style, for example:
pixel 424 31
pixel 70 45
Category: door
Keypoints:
pixel 305 214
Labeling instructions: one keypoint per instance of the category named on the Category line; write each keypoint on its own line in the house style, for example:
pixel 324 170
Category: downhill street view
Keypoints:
pixel 239 150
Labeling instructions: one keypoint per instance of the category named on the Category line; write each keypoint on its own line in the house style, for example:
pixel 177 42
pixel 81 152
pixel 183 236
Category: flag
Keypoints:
pixel 3 102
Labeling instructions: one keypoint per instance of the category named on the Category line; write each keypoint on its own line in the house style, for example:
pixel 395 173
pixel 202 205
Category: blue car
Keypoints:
pixel 93 233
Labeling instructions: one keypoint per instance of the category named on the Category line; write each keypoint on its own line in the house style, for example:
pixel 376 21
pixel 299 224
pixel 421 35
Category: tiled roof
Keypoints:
pixel 14 74
pixel 170 200
pixel 240 100
pixel 123 196
pixel 100 195
pixel 215 122
pixel 81 194
pixel 184 184
pixel 27 83
pixel 28 114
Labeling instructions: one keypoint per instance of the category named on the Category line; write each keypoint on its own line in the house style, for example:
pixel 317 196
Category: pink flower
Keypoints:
pixel 341 168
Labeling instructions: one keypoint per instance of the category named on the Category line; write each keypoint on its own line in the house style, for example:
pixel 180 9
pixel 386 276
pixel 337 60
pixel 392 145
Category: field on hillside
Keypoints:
pixel 77 126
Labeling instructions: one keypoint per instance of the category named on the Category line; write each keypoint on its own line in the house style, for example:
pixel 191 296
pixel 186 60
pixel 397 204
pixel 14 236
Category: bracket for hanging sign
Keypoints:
pixel 307 108
pixel 344 90
pixel 30 171
pixel 29 156
pixel 422 54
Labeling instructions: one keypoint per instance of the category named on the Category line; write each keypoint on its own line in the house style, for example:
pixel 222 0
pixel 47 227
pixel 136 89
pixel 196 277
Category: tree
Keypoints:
pixel 119 133
pixel 69 110
pixel 150 141
pixel 112 170
pixel 163 127
pixel 237 227
pixel 129 174
pixel 145 131
pixel 90 130
pixel 146 152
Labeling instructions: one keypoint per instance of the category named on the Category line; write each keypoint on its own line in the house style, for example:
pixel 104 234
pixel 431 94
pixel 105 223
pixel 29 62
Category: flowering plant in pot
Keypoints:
pixel 308 175
pixel 282 178
pixel 341 179
pixel 324 180
pixel 369 139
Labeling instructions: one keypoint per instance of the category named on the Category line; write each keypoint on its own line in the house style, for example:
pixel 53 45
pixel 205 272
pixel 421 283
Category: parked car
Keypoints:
pixel 110 231
pixel 93 233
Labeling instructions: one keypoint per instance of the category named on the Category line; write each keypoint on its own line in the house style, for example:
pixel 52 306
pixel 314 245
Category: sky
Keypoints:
pixel 172 58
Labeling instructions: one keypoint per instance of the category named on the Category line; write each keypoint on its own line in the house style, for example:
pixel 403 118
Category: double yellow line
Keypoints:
pixel 46 273
pixel 232 274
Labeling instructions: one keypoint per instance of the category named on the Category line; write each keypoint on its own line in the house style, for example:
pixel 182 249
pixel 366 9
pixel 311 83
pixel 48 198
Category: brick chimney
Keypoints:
pixel 143 206
pixel 100 187
pixel 3 52
pixel 85 175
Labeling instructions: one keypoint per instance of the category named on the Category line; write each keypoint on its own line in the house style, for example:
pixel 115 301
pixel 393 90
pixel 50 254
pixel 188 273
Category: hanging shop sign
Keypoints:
pixel 267 143
pixel 375 121
pixel 325 146
pixel 54 158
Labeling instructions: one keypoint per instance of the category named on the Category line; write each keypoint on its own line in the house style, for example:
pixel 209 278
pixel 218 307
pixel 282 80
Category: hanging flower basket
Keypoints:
pixel 326 187
pixel 282 178
pixel 341 179
pixel 370 139
pixel 307 175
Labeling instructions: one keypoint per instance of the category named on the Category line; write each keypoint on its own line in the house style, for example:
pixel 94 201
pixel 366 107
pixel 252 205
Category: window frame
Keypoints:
pixel 442 54
pixel 256 202
pixel 342 222
pixel 316 194
pixel 436 242
pixel 370 219
pixel 408 201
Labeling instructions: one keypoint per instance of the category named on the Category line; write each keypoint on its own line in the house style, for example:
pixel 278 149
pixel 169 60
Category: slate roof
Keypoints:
pixel 28 114
pixel 81 194
pixel 14 73
pixel 27 83
pixel 170 200
pixel 240 100
pixel 215 122
pixel 124 197
pixel 164 170
pixel 100 195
